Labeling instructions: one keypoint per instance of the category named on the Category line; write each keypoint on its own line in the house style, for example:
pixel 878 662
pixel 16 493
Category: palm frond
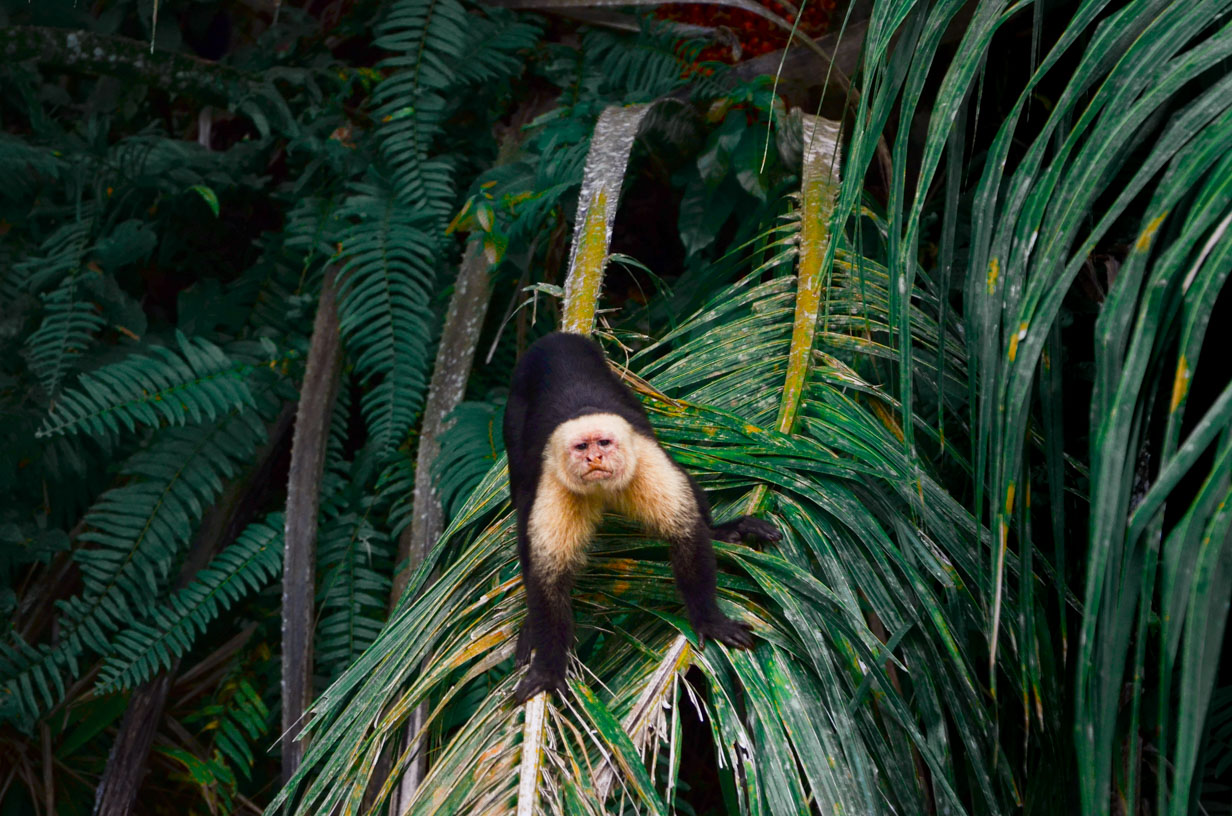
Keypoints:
pixel 1126 153
pixel 847 510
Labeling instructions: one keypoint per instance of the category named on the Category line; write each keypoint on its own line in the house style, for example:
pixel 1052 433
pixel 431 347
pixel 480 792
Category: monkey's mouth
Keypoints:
pixel 597 474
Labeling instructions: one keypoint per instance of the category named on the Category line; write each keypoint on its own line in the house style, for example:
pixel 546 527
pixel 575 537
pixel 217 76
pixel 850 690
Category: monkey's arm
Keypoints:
pixel 693 565
pixel 548 629
pixel 692 554
pixel 553 530
pixel 742 529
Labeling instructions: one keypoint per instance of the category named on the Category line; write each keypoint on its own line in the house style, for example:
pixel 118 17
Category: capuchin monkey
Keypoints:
pixel 579 443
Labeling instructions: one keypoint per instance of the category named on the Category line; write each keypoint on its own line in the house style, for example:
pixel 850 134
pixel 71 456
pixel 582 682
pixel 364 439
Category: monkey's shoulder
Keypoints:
pixel 660 494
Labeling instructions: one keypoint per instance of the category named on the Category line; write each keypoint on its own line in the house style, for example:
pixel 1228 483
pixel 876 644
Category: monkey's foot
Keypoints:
pixel 538 679
pixel 736 634
pixel 745 529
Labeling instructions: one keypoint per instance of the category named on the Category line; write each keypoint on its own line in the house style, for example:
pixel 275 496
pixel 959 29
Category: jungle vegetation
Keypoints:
pixel 939 289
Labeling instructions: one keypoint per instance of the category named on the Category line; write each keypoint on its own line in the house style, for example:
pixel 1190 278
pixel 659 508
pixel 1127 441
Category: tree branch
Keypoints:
pixel 316 402
pixel 85 52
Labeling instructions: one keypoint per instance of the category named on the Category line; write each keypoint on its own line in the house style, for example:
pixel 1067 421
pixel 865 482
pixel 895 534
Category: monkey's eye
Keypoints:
pixel 605 442
pixel 580 446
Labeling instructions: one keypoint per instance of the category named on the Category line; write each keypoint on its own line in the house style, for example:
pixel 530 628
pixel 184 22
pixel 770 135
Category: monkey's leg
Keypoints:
pixel 549 631
pixel 526 642
pixel 745 529
pixel 693 565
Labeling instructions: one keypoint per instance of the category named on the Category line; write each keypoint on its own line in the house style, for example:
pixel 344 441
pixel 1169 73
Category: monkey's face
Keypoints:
pixel 593 453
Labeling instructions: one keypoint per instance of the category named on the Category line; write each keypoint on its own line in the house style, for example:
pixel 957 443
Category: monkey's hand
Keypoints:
pixel 736 634
pixel 745 529
pixel 537 679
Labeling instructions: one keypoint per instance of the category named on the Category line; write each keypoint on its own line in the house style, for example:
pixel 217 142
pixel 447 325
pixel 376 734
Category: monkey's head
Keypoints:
pixel 593 453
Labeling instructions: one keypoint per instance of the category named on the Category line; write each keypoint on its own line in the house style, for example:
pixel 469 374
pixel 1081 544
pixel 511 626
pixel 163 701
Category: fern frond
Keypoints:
pixel 470 446
pixel 238 719
pixel 245 719
pixel 139 531
pixel 200 382
pixel 354 557
pixel 531 189
pixel 424 181
pixel 141 527
pixel 26 689
pixel 642 68
pixel 395 490
pixel 354 552
pixel 383 305
pixel 67 329
pixel 171 629
pixel 494 40
pixel 59 256
pixel 312 228
pixel 428 39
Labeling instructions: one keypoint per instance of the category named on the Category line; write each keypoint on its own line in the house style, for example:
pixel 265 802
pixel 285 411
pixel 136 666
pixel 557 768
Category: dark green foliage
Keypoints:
pixel 428 38
pixel 171 628
pixel 135 534
pixel 975 436
pixel 234 724
pixel 164 388
pixel 472 444
pixel 384 307
pixel 58 257
pixel 355 561
pixel 440 52
pixel 655 66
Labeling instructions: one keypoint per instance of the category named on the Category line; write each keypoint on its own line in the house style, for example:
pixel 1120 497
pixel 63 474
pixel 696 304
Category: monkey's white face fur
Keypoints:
pixel 595 453
pixel 582 477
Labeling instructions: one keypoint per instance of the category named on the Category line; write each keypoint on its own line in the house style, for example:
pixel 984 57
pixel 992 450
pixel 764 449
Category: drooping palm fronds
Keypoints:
pixel 1131 151
pixel 818 647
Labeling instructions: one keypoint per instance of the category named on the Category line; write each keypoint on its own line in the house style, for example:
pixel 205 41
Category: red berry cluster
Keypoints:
pixel 757 35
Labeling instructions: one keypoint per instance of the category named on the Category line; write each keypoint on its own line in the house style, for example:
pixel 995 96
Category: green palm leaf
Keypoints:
pixel 1135 141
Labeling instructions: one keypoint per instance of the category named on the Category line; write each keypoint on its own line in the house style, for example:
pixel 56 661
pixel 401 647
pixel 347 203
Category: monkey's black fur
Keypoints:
pixel 563 377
